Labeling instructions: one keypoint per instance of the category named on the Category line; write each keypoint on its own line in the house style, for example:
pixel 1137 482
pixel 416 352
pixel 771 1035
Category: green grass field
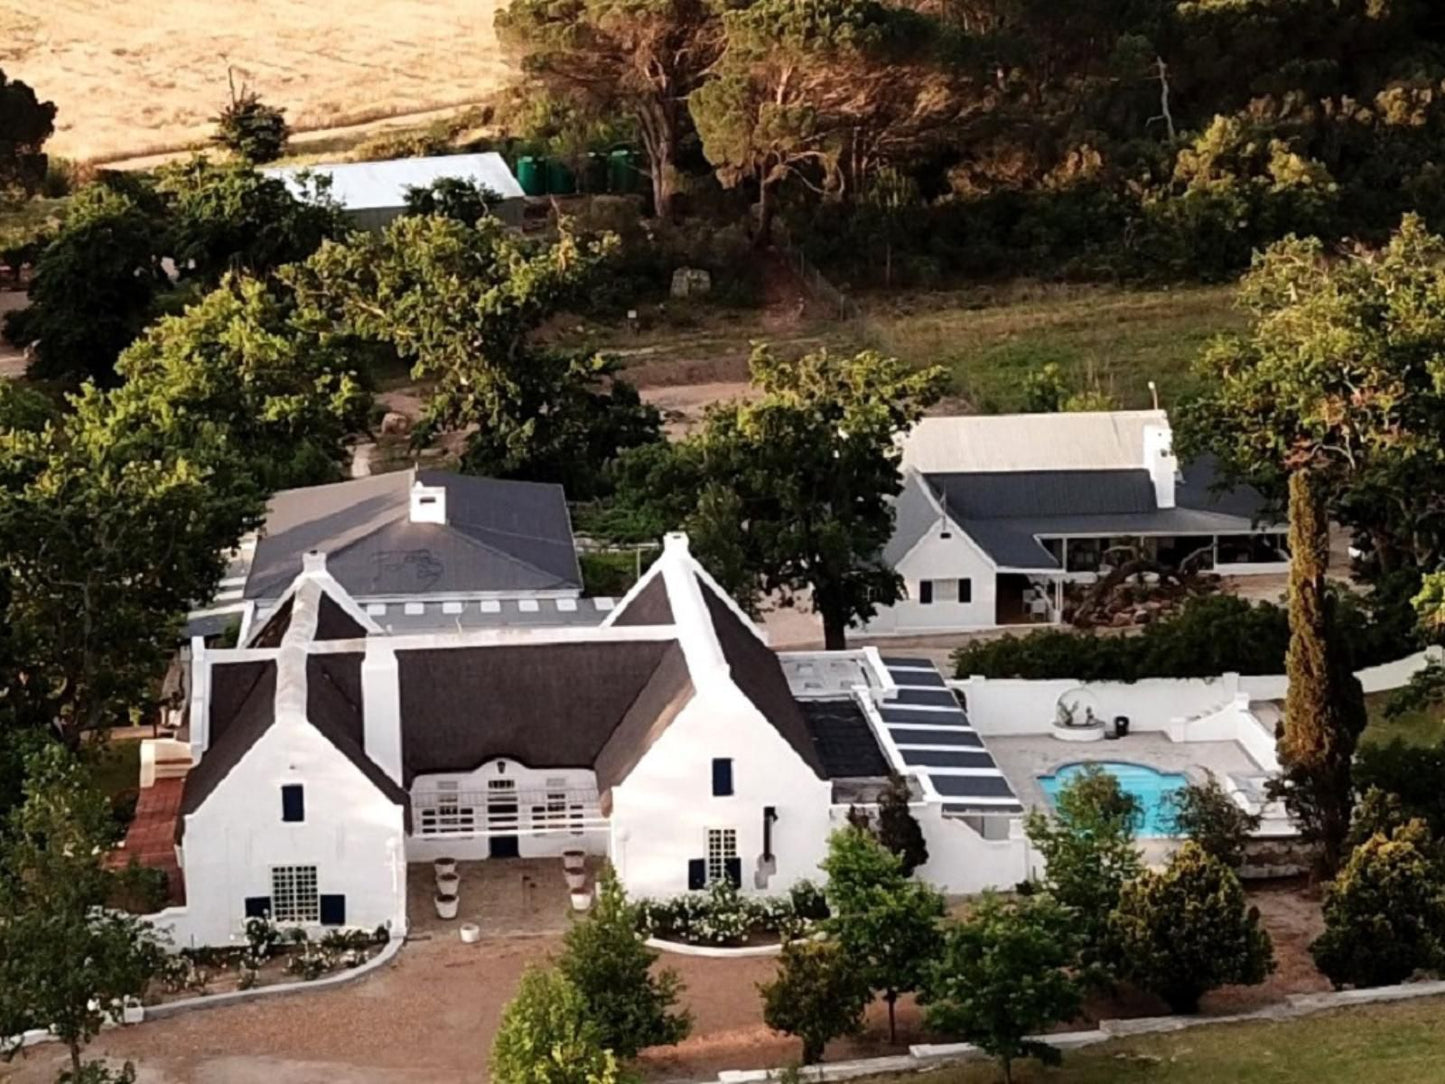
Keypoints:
pixel 1423 727
pixel 1401 1044
pixel 1120 339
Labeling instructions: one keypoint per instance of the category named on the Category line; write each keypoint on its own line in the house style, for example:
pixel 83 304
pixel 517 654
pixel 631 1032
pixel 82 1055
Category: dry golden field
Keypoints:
pixel 132 77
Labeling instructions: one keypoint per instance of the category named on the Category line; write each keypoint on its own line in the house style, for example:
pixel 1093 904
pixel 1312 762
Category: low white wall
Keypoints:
pixel 473 849
pixel 1232 722
pixel 1016 706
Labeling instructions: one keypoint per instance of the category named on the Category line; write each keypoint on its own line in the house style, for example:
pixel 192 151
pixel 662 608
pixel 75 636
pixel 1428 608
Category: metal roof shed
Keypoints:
pixel 373 193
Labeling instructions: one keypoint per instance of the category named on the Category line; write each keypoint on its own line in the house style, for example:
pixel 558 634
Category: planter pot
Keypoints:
pixel 132 1012
pixel 574 861
pixel 445 867
pixel 446 905
pixel 448 884
pixel 470 932
pixel 581 899
pixel 576 879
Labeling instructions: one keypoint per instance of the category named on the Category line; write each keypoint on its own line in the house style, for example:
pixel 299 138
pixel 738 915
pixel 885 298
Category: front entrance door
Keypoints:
pixel 502 818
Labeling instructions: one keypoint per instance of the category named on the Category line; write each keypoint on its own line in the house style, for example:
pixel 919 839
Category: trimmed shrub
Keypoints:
pixel 818 995
pixel 1205 813
pixel 1385 912
pixel 1182 932
pixel 546 1036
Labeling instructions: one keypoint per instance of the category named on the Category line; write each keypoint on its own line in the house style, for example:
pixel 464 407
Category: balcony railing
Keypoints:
pixel 505 812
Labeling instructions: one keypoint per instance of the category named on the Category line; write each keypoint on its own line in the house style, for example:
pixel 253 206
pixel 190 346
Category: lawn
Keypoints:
pixel 1402 1044
pixel 1425 726
pixel 991 338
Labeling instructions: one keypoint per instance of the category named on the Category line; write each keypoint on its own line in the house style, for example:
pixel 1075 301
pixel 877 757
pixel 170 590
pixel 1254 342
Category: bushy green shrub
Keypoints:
pixel 1209 635
pixel 1414 774
pixel 1182 932
pixel 546 1036
pixel 605 960
pixel 251 129
pixel 1205 813
pixel 1385 912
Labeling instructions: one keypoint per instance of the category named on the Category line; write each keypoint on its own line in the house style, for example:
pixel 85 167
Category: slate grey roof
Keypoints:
pixel 844 739
pixel 913 514
pixel 499 536
pixel 650 606
pixel 1006 512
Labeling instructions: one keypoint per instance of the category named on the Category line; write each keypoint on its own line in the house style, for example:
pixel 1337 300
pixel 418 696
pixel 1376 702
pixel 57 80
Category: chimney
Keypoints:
pixel 313 561
pixel 381 708
pixel 428 503
pixel 675 542
pixel 1160 462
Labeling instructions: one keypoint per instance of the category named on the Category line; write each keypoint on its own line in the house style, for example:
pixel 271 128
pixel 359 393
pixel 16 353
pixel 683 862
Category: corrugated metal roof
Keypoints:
pixel 366 186
pixel 1090 440
pixel 1012 494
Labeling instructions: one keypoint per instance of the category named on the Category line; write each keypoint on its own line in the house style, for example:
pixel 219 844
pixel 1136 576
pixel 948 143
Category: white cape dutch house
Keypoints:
pixel 326 755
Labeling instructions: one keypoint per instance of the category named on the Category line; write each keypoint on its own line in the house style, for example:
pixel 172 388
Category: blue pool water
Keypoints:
pixel 1149 786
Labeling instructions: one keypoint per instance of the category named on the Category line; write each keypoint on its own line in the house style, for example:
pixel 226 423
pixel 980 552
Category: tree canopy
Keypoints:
pixel 26 123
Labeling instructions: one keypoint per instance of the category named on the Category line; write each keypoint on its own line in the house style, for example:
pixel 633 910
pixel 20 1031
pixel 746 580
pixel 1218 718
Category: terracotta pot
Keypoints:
pixel 581 899
pixel 446 905
pixel 470 932
pixel 445 866
pixel 448 884
pixel 576 879
pixel 573 861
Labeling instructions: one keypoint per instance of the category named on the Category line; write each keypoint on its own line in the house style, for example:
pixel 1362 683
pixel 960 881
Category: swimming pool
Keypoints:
pixel 1151 787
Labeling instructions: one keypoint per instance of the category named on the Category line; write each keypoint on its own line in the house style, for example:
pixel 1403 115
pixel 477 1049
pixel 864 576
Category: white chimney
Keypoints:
pixel 381 708
pixel 1160 462
pixel 313 561
pixel 428 503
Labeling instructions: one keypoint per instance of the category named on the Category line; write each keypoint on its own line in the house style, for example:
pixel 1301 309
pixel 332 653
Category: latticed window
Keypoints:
pixel 447 815
pixel 722 847
pixel 293 894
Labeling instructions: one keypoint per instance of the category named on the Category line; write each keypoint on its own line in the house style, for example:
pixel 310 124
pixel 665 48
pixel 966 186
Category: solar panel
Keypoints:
pixel 920 717
pixel 939 698
pixel 972 786
pixel 949 758
pixel 917 677
pixel 911 736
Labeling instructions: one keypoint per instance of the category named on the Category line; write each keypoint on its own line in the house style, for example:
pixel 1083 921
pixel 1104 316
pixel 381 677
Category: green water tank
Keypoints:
pixel 622 172
pixel 531 175
pixel 560 181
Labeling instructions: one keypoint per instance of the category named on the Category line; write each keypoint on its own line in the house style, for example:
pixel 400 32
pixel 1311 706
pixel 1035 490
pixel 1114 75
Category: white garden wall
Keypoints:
pixel 352 834
pixel 1014 706
pixel 962 862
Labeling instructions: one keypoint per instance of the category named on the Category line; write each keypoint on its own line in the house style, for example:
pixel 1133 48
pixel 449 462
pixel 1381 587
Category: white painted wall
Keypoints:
pixel 1015 706
pixel 662 811
pixel 935 557
pixel 531 782
pixel 962 862
pixel 352 834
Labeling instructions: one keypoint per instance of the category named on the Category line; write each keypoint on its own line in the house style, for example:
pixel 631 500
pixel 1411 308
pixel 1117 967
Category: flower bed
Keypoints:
pixel 722 916
pixel 269 957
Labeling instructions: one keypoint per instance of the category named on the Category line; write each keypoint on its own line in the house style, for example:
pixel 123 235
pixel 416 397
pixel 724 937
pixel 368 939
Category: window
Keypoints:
pixel 447 816
pixel 722 777
pixel 293 894
pixel 293 802
pixel 722 852
pixel 925 592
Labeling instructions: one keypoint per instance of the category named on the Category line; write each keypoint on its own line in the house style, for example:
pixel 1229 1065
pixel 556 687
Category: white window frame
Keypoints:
pixel 446 816
pixel 722 844
pixel 295 895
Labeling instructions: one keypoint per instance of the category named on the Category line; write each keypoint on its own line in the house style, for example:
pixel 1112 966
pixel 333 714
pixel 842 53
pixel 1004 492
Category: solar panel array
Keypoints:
pixel 933 736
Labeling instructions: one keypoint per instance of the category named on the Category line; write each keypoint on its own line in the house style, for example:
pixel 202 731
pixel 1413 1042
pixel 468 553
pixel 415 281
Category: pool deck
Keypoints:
pixel 1024 759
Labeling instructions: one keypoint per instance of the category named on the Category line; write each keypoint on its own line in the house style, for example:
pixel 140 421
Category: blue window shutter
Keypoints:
pixel 258 906
pixel 722 777
pixel 293 802
pixel 333 910
pixel 696 874
pixel 734 868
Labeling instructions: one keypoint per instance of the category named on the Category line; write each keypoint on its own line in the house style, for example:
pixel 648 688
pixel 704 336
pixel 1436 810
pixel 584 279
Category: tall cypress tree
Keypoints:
pixel 1324 706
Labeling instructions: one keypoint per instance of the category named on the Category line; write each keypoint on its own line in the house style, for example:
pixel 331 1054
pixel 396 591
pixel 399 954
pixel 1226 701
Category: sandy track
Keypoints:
pixel 129 77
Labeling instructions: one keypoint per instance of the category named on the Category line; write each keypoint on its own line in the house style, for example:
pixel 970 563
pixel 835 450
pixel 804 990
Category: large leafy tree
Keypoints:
pixel 790 492
pixel 817 995
pixel 109 535
pixel 888 926
pixel 824 91
pixel 1188 929
pixel 1006 973
pixel 131 247
pixel 66 959
pixel 248 366
pixel 638 58
pixel 461 302
pixel 25 124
